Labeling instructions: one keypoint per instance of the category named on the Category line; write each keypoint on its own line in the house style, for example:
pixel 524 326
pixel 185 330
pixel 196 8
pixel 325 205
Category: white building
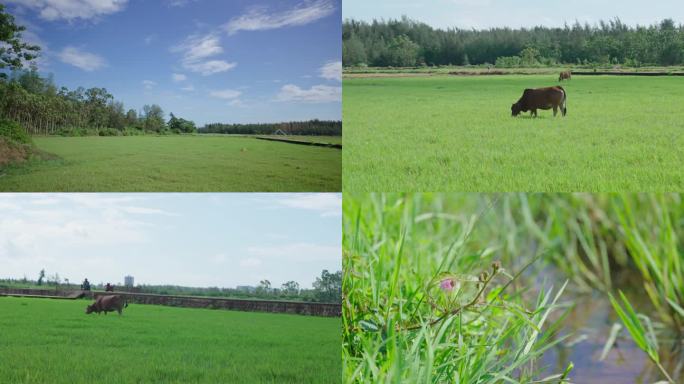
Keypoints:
pixel 128 281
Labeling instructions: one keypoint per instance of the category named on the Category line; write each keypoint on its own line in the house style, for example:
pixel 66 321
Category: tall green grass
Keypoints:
pixel 400 326
pixel 398 247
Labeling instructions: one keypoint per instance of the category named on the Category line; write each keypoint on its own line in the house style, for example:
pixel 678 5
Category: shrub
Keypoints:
pixel 108 132
pixel 12 130
pixel 507 62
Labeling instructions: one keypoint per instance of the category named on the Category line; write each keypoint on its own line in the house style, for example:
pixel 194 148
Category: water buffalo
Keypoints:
pixel 541 98
pixel 107 304
pixel 565 75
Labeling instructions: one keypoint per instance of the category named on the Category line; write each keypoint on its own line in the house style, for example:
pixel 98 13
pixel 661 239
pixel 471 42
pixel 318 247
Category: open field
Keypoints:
pixel 456 133
pixel 176 163
pixel 54 341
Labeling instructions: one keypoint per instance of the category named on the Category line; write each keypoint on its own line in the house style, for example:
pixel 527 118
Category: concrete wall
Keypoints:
pixel 294 307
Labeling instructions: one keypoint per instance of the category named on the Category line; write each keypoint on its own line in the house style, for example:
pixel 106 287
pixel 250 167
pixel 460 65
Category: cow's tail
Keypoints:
pixel 125 302
pixel 564 109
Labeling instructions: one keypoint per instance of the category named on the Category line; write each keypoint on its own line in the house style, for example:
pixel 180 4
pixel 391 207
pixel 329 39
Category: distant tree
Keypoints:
pixel 41 277
pixel 290 288
pixel 402 52
pixel 131 118
pixel 178 125
pixel 353 52
pixel 329 286
pixel 154 118
pixel 13 51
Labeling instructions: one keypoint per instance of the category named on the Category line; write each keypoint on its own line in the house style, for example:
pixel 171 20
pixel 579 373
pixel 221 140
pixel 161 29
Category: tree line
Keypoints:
pixel 408 43
pixel 41 107
pixel 311 127
pixel 327 288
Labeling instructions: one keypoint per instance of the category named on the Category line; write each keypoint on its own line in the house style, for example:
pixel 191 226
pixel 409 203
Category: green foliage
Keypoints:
pixel 642 335
pixel 13 131
pixel 401 325
pixel 312 127
pixel 179 345
pixel 456 133
pixel 401 52
pixel 507 62
pixel 353 52
pixel 13 51
pixel 108 132
pixel 179 125
pixel 177 163
pixel 656 254
pixel 328 287
pixel 385 43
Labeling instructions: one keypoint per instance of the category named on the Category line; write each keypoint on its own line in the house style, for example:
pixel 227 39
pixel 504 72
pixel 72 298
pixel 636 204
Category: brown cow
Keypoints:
pixel 565 75
pixel 541 98
pixel 107 304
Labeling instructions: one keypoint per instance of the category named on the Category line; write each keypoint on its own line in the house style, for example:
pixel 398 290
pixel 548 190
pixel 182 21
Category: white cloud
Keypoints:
pixel 149 39
pixel 210 67
pixel 327 204
pixel 84 60
pixel 236 103
pixel 177 77
pixel 296 252
pixel 250 262
pixel 196 51
pixel 188 88
pixel 261 18
pixel 331 71
pixel 180 3
pixel 148 84
pixel 147 211
pixel 69 10
pixel 227 94
pixel 315 94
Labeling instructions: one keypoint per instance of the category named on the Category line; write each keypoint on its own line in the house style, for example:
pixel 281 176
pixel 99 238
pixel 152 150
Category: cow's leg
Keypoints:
pixel 555 110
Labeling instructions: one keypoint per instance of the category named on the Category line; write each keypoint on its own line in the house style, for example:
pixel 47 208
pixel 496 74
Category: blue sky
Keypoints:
pixel 206 60
pixel 185 239
pixel 514 13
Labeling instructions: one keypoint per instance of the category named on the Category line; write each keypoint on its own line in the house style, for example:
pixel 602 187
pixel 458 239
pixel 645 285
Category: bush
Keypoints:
pixel 12 130
pixel 507 62
pixel 108 132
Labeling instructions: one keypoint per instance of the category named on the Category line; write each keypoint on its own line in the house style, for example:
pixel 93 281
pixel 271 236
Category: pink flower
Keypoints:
pixel 447 285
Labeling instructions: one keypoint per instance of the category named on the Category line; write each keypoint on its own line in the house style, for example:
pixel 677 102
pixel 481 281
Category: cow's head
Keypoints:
pixel 90 309
pixel 515 109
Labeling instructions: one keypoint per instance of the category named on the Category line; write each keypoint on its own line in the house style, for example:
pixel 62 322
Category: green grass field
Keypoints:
pixel 53 341
pixel 449 133
pixel 176 163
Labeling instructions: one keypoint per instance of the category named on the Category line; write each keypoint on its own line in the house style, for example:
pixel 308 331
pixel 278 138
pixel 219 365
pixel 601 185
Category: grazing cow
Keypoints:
pixel 107 304
pixel 541 98
pixel 565 75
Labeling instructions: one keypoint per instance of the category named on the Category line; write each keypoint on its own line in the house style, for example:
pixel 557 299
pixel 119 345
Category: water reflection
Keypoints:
pixel 589 323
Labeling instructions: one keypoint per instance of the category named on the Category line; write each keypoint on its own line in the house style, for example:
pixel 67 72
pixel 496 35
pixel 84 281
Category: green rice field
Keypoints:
pixel 54 341
pixel 456 133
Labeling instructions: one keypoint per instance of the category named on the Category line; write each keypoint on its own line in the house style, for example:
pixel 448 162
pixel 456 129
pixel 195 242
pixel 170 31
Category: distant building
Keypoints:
pixel 246 288
pixel 128 281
